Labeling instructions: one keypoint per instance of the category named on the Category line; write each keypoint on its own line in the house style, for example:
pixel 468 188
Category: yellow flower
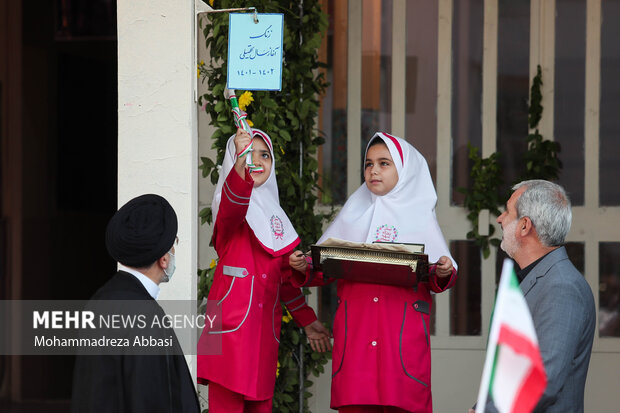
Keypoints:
pixel 213 264
pixel 201 67
pixel 287 317
pixel 211 3
pixel 245 99
pixel 282 149
pixel 278 370
pixel 250 123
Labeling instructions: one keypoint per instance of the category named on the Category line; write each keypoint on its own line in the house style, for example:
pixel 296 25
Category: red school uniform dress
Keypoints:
pixel 381 359
pixel 252 236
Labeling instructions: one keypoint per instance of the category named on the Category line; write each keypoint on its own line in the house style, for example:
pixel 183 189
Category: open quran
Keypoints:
pixel 379 263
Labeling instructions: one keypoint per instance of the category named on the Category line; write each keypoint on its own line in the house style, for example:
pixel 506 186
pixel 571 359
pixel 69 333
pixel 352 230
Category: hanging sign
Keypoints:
pixel 255 51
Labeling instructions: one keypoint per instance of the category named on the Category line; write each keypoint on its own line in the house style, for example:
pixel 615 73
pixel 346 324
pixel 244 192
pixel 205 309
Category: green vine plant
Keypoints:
pixel 289 117
pixel 541 161
pixel 484 194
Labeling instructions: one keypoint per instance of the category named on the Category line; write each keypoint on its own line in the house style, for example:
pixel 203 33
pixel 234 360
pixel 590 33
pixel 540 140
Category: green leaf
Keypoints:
pixel 204 212
pixel 218 90
pixel 290 191
pixel 486 252
pixel 269 103
pixel 219 106
pixel 285 135
pixel 294 337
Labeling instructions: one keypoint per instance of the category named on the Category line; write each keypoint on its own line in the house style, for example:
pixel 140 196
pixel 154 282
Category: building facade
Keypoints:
pixel 440 74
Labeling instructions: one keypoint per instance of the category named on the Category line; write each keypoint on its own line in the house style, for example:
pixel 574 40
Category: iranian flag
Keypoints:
pixel 513 372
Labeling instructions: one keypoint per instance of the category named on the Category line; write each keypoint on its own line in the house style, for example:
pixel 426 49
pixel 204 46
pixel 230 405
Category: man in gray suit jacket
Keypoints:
pixel 537 218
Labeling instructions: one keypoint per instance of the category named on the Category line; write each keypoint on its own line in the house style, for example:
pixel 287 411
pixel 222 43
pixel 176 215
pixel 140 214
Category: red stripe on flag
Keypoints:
pixel 536 381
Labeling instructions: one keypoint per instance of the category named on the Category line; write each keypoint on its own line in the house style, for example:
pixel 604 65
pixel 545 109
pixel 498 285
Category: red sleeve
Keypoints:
pixel 295 301
pixel 439 285
pixel 294 298
pixel 233 205
pixel 311 278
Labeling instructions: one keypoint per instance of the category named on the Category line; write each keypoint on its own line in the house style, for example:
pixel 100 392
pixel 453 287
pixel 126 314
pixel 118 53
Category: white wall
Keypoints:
pixel 157 136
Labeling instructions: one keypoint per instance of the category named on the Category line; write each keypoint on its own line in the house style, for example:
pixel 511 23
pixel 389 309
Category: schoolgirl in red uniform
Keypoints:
pixel 252 236
pixel 381 359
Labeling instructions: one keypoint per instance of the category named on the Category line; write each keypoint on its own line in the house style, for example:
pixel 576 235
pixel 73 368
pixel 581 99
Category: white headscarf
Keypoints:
pixel 405 214
pixel 265 217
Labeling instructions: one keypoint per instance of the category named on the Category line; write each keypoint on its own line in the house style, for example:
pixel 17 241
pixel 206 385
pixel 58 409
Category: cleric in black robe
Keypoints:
pixel 141 237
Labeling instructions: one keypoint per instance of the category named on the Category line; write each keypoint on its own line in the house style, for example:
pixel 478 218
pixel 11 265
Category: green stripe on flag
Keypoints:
pixel 497 349
pixel 514 283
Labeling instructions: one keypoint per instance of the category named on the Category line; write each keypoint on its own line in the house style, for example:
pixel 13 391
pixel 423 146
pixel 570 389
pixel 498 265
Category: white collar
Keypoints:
pixel 151 287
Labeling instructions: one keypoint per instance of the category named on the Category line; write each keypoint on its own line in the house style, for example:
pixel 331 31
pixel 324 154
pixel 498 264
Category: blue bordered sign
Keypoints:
pixel 255 51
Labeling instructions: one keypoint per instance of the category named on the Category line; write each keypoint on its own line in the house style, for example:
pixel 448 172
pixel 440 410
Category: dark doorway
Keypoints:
pixel 68 167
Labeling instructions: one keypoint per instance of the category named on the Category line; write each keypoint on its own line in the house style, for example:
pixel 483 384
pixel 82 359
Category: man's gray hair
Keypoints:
pixel 549 208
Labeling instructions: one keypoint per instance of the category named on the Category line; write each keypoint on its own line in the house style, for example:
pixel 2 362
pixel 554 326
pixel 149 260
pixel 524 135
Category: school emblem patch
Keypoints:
pixel 276 227
pixel 386 233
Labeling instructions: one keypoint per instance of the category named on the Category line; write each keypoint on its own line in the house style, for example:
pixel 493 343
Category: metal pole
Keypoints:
pixel 302 389
pixel 252 9
pixel 301 145
pixel 302 380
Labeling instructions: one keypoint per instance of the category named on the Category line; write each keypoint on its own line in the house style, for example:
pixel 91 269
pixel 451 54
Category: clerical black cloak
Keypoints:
pixel 129 383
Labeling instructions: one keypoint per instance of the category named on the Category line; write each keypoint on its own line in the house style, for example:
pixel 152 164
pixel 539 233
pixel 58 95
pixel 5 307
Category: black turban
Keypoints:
pixel 141 231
